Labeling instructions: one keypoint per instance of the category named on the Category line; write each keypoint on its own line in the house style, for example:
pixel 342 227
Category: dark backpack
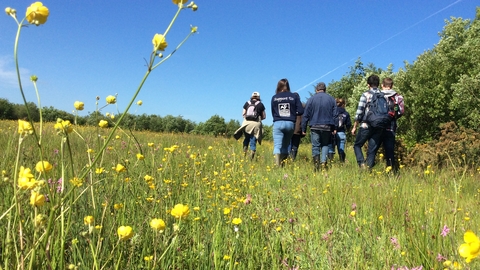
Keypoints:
pixel 396 107
pixel 341 120
pixel 252 113
pixel 377 111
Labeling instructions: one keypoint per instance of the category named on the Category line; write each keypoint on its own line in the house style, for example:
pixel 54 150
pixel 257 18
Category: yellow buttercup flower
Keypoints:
pixel 43 166
pixel 125 232
pixel 24 127
pixel 37 13
pixel 40 220
pixel 25 179
pixel 88 220
pixel 353 213
pixel 78 105
pixel 120 168
pixel 157 224
pixel 226 211
pixel 471 248
pixel 37 199
pixel 236 221
pixel 111 100
pixel 176 2
pixel 103 124
pixel 159 42
pixel 76 181
pixel 63 126
pixel 140 156
pixel 180 211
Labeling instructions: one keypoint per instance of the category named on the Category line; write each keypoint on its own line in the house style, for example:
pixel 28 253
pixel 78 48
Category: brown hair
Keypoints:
pixel 282 86
pixel 387 82
pixel 340 102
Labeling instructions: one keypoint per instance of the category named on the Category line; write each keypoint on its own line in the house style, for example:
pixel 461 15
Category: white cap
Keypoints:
pixel 255 94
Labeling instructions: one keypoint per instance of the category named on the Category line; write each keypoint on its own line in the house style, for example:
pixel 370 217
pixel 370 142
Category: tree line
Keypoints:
pixel 439 87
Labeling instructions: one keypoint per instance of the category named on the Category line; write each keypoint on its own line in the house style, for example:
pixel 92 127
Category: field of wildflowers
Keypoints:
pixel 169 201
pixel 102 197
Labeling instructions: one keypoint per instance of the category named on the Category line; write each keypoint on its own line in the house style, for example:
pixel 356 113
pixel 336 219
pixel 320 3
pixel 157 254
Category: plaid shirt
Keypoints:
pixel 362 104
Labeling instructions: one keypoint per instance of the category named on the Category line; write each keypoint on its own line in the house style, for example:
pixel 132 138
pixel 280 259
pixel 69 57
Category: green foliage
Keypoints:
pixel 214 126
pixel 457 146
pixel 442 84
pixel 6 110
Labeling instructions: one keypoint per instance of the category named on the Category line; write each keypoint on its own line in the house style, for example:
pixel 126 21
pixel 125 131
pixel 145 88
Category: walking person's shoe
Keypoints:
pixel 293 154
pixel 316 163
pixel 278 161
pixel 252 155
pixel 245 149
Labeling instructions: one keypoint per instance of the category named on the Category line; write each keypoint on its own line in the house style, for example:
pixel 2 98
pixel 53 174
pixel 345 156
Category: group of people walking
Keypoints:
pixel 328 121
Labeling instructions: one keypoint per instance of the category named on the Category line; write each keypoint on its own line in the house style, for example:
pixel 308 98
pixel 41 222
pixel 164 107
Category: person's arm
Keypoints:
pixel 298 104
pixel 305 118
pixel 348 122
pixel 359 113
pixel 264 115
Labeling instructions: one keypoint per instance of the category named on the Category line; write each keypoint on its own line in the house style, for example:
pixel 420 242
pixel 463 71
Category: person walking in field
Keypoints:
pixel 343 123
pixel 251 128
pixel 320 112
pixel 297 136
pixel 368 130
pixel 396 109
pixel 285 108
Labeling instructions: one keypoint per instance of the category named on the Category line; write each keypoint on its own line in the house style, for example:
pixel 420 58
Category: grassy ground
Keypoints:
pixel 241 214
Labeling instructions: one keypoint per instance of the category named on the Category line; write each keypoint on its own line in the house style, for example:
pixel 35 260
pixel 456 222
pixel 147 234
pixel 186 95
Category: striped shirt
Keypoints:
pixel 362 104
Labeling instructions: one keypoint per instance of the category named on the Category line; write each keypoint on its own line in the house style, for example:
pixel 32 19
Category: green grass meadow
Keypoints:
pixel 241 214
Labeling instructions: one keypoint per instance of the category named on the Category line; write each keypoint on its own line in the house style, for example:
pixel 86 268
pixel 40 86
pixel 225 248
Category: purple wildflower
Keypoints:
pixel 445 231
pixel 440 257
pixel 394 242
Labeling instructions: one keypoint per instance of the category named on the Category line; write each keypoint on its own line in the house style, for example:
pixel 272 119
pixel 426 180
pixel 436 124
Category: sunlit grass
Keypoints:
pixel 289 216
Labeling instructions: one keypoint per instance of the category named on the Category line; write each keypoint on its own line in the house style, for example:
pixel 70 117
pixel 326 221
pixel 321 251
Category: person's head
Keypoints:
pixel 282 86
pixel 340 102
pixel 320 87
pixel 255 95
pixel 387 83
pixel 373 81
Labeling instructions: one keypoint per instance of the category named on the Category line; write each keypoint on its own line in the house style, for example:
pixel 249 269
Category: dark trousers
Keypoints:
pixel 388 138
pixel 374 137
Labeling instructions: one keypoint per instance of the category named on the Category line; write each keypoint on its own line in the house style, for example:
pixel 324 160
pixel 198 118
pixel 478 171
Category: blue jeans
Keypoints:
pixel 340 140
pixel 317 147
pixel 249 138
pixel 282 134
pixel 374 137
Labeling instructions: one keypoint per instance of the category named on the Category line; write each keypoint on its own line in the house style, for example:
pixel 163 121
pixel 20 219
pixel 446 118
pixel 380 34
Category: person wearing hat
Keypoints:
pixel 320 112
pixel 251 129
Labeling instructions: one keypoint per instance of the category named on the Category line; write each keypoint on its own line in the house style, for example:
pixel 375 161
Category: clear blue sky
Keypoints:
pixel 97 48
